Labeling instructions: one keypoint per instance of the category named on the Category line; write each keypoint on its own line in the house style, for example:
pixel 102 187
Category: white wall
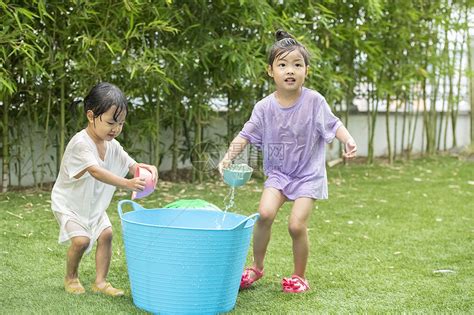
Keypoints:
pixel 357 126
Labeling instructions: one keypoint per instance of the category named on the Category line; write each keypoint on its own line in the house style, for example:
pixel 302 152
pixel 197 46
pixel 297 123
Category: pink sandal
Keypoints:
pixel 246 281
pixel 295 284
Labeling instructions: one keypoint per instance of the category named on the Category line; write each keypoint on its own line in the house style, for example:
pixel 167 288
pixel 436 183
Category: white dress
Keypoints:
pixel 80 205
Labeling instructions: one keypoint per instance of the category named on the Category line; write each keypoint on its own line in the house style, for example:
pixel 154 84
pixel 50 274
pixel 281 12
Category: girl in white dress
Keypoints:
pixel 93 165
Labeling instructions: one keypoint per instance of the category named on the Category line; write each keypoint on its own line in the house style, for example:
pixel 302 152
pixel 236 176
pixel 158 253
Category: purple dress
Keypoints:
pixel 293 141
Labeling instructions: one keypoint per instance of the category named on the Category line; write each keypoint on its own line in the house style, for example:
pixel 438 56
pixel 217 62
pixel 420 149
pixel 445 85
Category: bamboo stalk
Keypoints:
pixel 174 148
pixel 454 118
pixel 426 116
pixel 374 100
pixel 31 127
pixel 46 138
pixel 441 116
pixel 410 121
pixel 450 102
pixel 417 113
pixel 5 144
pixel 62 122
pixel 157 160
pixel 387 128
pixel 198 143
pixel 369 127
pixel 470 54
pixel 395 131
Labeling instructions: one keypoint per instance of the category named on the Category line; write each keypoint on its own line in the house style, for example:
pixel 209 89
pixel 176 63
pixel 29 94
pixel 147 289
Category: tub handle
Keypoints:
pixel 242 223
pixel 134 205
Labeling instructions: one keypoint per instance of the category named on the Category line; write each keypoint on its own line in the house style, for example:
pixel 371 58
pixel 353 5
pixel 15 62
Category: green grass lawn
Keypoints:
pixel 376 245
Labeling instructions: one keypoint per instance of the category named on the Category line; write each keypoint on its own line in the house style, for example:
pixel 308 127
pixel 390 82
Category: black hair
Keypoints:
pixel 101 98
pixel 285 43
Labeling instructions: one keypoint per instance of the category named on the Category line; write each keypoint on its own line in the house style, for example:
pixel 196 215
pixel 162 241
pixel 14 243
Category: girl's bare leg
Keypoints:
pixel 103 255
pixel 270 202
pixel 297 227
pixel 77 248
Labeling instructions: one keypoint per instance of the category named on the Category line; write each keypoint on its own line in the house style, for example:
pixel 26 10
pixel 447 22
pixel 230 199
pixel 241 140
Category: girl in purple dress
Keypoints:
pixel 291 126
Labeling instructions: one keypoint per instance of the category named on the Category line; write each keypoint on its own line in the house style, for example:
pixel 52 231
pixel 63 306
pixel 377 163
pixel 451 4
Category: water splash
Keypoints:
pixel 229 202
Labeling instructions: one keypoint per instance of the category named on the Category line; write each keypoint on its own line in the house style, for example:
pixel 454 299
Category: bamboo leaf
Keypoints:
pixel 9 86
pixel 130 26
pixel 109 47
pixel 28 14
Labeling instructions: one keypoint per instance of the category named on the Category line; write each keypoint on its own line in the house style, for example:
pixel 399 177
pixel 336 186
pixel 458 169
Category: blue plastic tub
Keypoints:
pixel 184 260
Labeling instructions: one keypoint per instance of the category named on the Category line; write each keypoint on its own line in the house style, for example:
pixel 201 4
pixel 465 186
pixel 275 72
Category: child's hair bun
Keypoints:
pixel 281 34
pixel 284 44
